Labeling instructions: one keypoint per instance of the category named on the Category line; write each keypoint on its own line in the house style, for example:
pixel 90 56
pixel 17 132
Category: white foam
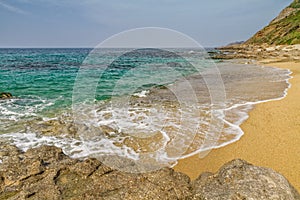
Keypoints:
pixel 75 148
pixel 137 119
pixel 141 94
pixel 249 105
pixel 15 109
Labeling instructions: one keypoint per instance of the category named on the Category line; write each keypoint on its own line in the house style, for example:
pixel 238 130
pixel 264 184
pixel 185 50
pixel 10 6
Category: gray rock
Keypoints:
pixel 46 173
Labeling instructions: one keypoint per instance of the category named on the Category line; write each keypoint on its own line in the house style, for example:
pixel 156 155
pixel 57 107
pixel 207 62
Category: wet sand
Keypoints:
pixel 271 137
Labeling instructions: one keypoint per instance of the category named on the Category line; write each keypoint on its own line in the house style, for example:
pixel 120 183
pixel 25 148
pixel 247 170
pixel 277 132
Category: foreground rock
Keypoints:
pixel 241 180
pixel 46 173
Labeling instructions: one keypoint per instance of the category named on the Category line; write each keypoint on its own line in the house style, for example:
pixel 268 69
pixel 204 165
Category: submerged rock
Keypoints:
pixel 5 95
pixel 46 173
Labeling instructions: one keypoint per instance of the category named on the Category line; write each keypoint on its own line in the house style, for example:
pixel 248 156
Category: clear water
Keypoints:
pixel 152 127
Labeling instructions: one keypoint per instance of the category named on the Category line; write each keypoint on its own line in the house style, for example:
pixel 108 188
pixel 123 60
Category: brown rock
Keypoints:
pixel 241 180
pixel 46 173
pixel 5 95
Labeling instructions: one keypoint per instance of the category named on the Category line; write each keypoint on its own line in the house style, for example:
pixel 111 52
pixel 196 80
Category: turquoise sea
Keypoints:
pixel 141 106
pixel 40 74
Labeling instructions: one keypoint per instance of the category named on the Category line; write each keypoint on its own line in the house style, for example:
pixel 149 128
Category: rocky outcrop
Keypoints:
pixel 279 53
pixel 283 30
pixel 241 180
pixel 46 173
pixel 5 95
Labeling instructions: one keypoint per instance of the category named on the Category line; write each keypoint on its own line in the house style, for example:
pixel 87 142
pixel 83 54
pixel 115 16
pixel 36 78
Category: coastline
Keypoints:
pixel 26 174
pixel 271 136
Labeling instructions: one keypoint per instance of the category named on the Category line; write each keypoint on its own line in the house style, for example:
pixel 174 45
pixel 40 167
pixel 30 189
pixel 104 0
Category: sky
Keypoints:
pixel 86 23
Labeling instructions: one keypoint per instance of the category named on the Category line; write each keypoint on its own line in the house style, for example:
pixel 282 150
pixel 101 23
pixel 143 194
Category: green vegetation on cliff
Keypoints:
pixel 295 4
pixel 284 29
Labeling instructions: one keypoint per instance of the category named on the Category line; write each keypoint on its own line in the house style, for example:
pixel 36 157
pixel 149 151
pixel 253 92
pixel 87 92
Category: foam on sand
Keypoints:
pixel 152 126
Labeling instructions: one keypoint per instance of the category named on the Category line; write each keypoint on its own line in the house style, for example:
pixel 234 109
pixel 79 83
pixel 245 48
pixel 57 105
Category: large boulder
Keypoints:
pixel 47 173
pixel 241 180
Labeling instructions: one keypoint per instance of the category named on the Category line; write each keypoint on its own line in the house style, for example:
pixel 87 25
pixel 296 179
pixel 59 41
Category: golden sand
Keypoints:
pixel 271 139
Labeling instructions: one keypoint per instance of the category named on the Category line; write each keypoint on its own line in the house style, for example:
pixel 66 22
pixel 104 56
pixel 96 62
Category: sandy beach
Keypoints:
pixel 271 137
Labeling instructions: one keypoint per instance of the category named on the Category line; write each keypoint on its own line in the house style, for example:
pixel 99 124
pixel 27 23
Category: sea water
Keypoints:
pixel 144 106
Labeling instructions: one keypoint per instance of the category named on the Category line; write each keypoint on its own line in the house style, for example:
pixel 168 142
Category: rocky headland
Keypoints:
pixel 279 41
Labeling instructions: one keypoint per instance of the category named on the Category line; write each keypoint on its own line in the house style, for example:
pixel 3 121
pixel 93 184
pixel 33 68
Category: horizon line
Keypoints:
pixel 61 47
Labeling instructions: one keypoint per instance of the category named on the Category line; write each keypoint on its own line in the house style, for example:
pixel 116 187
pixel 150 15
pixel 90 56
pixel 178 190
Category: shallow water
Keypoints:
pixel 152 106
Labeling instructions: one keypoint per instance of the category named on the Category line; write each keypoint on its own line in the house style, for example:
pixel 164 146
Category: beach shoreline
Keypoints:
pixel 271 136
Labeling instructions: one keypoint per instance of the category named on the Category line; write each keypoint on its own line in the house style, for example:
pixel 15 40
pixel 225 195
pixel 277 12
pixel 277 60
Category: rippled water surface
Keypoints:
pixel 143 106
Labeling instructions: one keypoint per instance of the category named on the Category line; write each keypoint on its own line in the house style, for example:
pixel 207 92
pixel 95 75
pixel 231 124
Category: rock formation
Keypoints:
pixel 46 173
pixel 241 180
pixel 279 53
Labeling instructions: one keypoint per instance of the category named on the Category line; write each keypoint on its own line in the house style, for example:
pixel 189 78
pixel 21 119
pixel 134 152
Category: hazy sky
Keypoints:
pixel 85 23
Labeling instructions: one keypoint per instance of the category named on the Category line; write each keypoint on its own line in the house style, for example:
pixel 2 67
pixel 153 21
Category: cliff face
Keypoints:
pixel 284 29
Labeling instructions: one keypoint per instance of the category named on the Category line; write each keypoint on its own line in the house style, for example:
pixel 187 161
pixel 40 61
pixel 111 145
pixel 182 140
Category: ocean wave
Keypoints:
pixel 152 124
